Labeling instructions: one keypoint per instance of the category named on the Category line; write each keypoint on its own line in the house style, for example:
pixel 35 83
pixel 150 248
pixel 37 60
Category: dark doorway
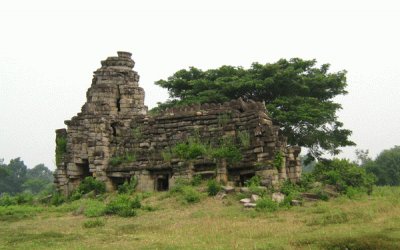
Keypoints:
pixel 162 183
pixel 84 168
pixel 245 177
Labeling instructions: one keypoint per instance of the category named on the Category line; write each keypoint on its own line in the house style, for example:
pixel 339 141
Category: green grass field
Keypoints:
pixel 164 222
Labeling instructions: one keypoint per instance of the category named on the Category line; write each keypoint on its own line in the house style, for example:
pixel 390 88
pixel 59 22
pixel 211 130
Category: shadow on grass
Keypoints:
pixel 361 242
pixel 40 239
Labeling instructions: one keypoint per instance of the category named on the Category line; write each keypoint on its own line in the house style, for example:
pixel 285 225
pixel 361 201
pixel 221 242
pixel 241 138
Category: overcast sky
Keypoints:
pixel 49 50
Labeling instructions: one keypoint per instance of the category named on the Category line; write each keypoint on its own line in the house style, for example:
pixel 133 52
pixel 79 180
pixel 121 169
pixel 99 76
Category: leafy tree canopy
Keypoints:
pixel 298 95
pixel 386 167
pixel 15 177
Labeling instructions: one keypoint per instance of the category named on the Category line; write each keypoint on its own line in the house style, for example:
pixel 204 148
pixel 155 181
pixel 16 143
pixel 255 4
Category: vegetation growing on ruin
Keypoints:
pixel 278 160
pixel 61 149
pixel 128 187
pixel 125 158
pixel 244 137
pixel 137 133
pixel 299 96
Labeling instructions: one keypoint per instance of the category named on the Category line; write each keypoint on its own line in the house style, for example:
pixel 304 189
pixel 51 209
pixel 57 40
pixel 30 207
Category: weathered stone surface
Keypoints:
pixel 114 138
pixel 295 203
pixel 228 189
pixel 249 205
pixel 278 197
pixel 254 198
pixel 245 200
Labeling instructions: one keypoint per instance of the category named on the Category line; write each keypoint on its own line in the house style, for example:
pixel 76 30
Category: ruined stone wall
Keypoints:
pixel 114 138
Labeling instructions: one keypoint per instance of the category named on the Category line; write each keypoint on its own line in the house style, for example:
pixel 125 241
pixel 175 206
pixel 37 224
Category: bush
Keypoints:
pixel 278 160
pixel 190 195
pixel 119 159
pixel 343 174
pixel 7 200
pixel 57 199
pixel 189 150
pixel 196 180
pixel 94 223
pixel 254 181
pixel 213 187
pixel 266 205
pixel 128 187
pixel 94 208
pixel 123 205
pixel 24 198
pixel 91 184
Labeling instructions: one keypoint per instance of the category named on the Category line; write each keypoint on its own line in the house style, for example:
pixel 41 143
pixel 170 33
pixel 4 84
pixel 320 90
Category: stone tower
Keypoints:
pixel 112 100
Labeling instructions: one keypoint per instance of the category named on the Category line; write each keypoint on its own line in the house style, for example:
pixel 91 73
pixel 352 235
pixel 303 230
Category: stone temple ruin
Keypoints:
pixel 114 138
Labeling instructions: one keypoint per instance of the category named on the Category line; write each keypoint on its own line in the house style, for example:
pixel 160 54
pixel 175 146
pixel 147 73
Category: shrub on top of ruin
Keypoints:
pixel 224 119
pixel 91 184
pixel 61 149
pixel 119 159
pixel 227 151
pixel 128 187
pixel 244 137
pixel 190 150
pixel 213 187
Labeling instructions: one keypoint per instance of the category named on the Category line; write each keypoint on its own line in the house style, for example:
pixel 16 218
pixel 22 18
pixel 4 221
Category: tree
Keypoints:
pixel 298 95
pixel 14 174
pixel 386 167
pixel 15 177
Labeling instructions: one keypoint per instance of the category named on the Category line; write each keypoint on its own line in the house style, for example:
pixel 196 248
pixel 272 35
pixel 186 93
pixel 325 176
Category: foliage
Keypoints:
pixel 278 160
pixel 386 167
pixel 266 205
pixel 196 180
pixel 190 150
pixel 244 137
pixel 227 150
pixel 119 159
pixel 123 205
pixel 213 187
pixel 94 223
pixel 57 199
pixel 94 208
pixel 298 95
pixel 129 186
pixel 223 119
pixel 15 177
pixel 343 174
pixel 185 191
pixel 91 184
pixel 137 133
pixel 61 149
pixel 166 155
pixel 254 181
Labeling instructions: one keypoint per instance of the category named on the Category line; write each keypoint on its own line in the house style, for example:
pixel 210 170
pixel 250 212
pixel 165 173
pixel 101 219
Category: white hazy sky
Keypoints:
pixel 49 49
